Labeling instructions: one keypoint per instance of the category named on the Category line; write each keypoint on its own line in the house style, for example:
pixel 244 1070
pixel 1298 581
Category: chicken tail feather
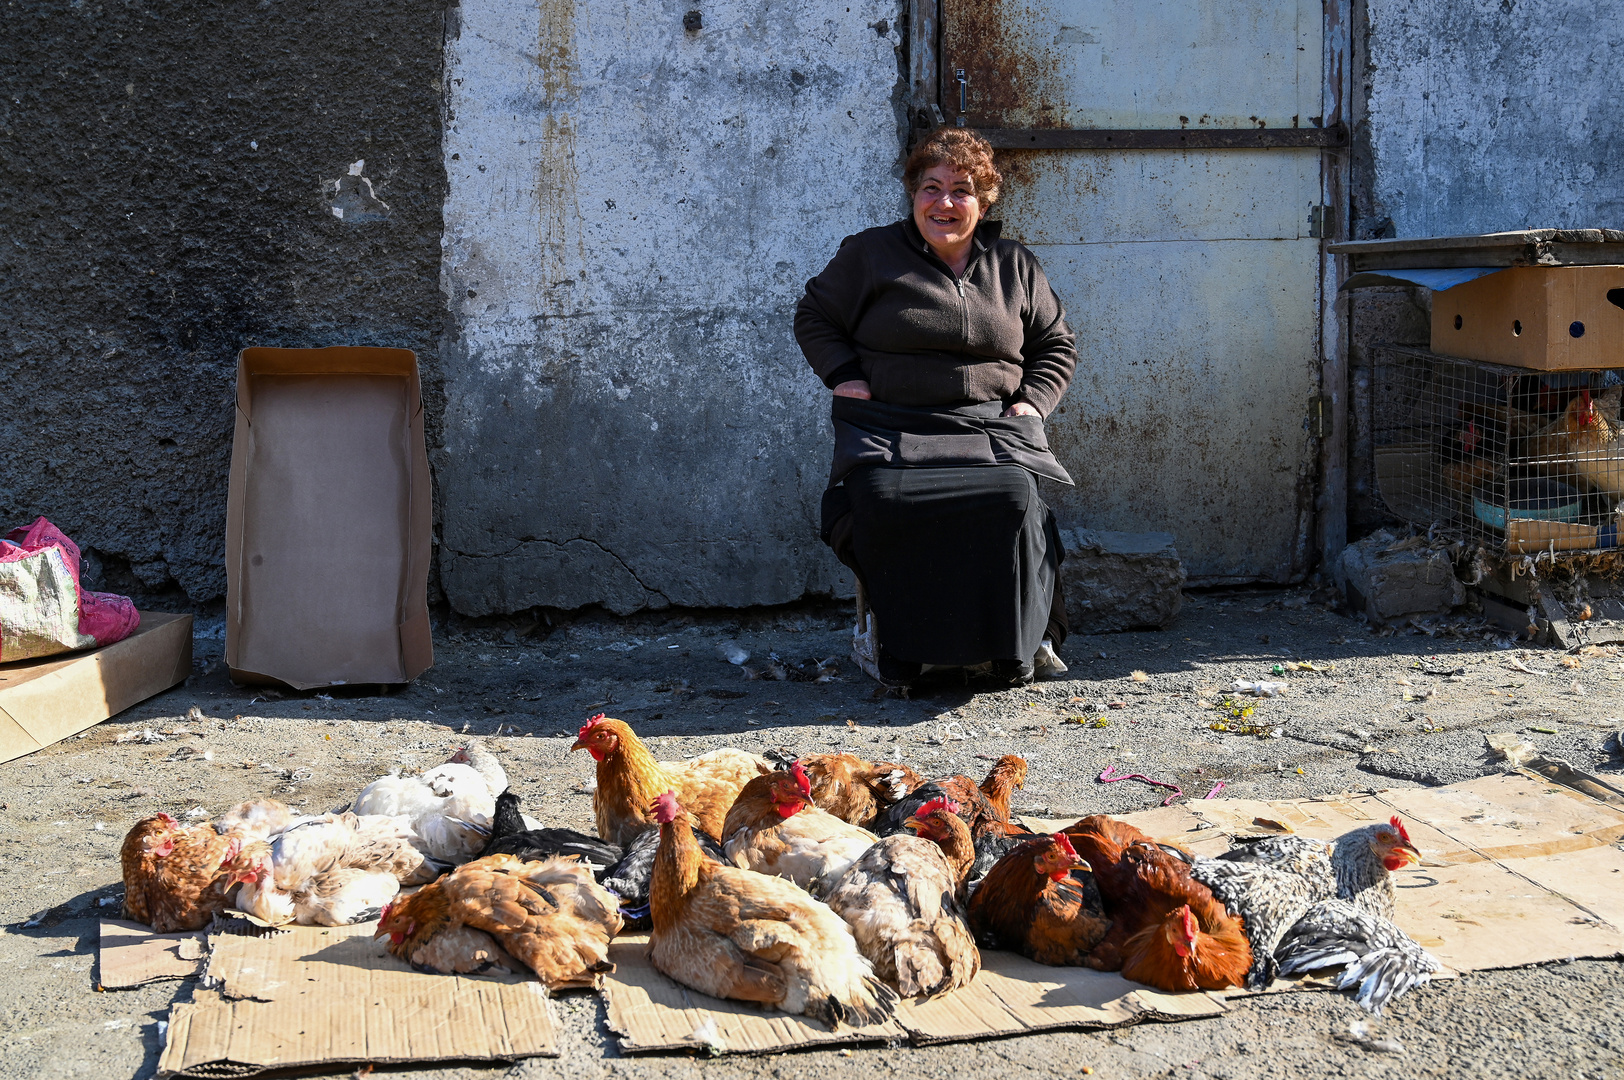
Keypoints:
pixel 1384 974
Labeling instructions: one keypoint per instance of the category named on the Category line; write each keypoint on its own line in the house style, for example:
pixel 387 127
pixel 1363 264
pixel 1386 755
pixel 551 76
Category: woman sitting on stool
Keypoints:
pixel 945 348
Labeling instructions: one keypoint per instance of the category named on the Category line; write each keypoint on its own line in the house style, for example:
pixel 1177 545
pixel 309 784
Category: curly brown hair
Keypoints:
pixel 961 148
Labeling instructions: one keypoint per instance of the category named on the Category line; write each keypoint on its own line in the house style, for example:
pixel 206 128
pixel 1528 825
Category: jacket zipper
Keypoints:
pixel 964 311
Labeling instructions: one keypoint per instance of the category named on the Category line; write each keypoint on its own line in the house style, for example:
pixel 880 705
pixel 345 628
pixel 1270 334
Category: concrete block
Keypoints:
pixel 1120 581
pixel 1392 585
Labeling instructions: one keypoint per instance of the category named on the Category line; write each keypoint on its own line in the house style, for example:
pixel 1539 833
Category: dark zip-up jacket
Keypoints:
pixel 888 310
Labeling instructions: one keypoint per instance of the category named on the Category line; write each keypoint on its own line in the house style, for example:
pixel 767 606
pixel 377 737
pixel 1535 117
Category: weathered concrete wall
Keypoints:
pixel 1485 115
pixel 634 208
pixel 168 175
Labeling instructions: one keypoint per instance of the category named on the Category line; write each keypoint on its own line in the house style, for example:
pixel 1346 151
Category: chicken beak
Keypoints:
pixel 381 932
pixel 911 823
pixel 1078 863
pixel 580 744
pixel 1409 852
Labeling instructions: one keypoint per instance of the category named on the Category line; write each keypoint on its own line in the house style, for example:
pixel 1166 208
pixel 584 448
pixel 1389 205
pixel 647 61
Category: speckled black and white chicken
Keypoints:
pixel 1308 907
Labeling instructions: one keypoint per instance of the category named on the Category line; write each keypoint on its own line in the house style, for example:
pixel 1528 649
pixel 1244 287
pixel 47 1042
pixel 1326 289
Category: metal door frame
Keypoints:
pixel 1328 418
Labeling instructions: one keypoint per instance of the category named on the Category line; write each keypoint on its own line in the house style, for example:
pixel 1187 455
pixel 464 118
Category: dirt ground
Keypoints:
pixel 1378 720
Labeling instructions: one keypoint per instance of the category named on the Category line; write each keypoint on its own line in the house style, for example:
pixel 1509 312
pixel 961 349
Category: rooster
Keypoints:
pixel 1032 903
pixel 549 914
pixel 330 870
pixel 629 779
pixel 175 877
pixel 904 901
pixel 733 933
pixel 773 828
pixel 855 790
pixel 510 835
pixel 1276 884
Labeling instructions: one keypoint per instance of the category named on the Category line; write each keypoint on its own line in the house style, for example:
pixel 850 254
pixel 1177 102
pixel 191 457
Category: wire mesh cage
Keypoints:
pixel 1519 461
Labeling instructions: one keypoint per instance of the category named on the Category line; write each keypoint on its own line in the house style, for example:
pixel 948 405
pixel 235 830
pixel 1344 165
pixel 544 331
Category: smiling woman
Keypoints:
pixel 945 348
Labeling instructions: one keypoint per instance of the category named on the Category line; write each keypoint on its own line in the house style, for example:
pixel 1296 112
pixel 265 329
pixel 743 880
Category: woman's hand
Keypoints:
pixel 1020 408
pixel 857 388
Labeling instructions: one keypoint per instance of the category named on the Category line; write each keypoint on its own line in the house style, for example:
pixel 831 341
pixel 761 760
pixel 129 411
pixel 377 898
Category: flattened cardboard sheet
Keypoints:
pixel 131 954
pixel 46 700
pixel 315 995
pixel 1517 871
pixel 328 519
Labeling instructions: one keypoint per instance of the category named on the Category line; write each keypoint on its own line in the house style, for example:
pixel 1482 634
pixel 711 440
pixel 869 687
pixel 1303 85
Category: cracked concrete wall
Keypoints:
pixel 634 208
pixel 169 176
pixel 1488 115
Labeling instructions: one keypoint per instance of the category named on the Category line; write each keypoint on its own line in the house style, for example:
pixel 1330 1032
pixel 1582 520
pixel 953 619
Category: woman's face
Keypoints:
pixel 945 207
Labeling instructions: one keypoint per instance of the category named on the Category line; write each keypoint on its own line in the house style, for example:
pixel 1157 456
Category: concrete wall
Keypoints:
pixel 633 213
pixel 168 175
pixel 1486 115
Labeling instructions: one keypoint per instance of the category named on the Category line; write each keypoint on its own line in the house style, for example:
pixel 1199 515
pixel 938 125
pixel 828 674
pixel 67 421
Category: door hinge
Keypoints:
pixel 1322 222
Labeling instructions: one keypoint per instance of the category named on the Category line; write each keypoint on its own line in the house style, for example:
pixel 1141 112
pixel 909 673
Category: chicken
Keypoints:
pixel 548 914
pixel 256 819
pixel 1032 903
pixel 1137 891
pixel 1594 451
pixel 632 877
pixel 629 779
pixel 510 836
pixel 855 790
pixel 774 829
pixel 1168 929
pixel 448 808
pixel 173 876
pixel 736 934
pixel 330 870
pixel 1181 952
pixel 904 902
pixel 1310 911
pixel 460 950
pixel 1007 776
pixel 474 755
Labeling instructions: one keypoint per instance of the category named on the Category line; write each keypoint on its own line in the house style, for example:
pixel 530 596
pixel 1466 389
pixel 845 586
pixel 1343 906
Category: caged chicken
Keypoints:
pixel 629 779
pixel 1040 901
pixel 1594 452
pixel 175 878
pixel 773 828
pixel 548 914
pixel 855 790
pixel 1304 909
pixel 904 900
pixel 330 870
pixel 736 934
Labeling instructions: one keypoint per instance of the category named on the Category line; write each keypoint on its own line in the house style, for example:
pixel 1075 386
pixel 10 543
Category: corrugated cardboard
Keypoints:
pixel 44 701
pixel 328 519
pixel 315 995
pixel 1518 871
pixel 130 954
pixel 1550 318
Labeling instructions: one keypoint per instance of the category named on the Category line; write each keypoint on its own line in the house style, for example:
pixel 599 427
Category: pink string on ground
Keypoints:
pixel 1216 788
pixel 1106 778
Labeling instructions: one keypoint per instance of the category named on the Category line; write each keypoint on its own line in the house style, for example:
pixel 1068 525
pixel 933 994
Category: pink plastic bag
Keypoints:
pixel 42 608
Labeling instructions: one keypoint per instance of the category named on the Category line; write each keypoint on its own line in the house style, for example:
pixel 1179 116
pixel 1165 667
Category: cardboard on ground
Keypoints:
pixel 1518 871
pixel 315 995
pixel 46 700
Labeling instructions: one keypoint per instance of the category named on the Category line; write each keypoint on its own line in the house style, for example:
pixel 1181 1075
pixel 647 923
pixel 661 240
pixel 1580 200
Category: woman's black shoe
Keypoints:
pixel 1012 672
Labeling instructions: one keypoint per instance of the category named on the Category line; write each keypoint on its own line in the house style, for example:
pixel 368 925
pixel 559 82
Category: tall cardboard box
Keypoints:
pixel 328 519
pixel 1549 318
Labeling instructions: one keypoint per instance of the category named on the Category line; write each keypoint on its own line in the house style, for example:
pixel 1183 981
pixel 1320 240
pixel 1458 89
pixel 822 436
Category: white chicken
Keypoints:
pixel 329 871
pixel 449 807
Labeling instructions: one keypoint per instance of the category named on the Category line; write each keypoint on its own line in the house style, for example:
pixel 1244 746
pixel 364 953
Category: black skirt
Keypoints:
pixel 961 565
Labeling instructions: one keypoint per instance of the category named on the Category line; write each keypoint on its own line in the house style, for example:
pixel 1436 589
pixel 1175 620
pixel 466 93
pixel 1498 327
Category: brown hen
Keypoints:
pixel 855 790
pixel 174 877
pixel 629 779
pixel 1033 902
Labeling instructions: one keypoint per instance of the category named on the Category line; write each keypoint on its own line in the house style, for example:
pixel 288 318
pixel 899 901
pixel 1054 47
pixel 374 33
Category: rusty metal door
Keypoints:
pixel 1162 158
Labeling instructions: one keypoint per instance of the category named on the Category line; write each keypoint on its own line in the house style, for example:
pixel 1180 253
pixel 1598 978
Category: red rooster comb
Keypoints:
pixel 1403 833
pixel 937 805
pixel 1191 927
pixel 167 819
pixel 591 722
pixel 383 916
pixel 1064 843
pixel 666 808
pixel 802 781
